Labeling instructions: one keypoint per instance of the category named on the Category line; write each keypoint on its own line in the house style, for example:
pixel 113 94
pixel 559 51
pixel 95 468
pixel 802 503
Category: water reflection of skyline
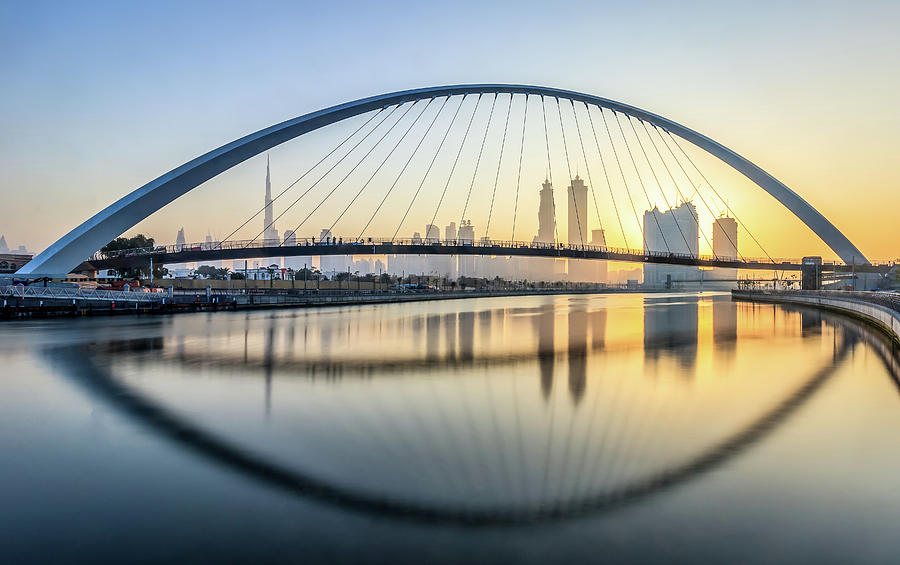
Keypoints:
pixel 636 451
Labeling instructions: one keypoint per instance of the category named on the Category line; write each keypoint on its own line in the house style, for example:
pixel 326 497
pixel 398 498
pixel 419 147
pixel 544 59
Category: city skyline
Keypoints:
pixel 835 151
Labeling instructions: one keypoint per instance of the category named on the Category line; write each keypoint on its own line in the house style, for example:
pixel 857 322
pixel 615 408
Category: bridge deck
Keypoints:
pixel 217 251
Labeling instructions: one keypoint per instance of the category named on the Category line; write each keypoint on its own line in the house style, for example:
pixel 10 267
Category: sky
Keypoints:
pixel 99 98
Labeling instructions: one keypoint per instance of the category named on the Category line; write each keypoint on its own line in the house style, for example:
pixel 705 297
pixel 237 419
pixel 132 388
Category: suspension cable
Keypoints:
pixel 643 187
pixel 728 208
pixel 487 230
pixel 586 166
pixel 408 161
pixel 325 174
pixel 624 182
pixel 280 194
pixel 519 174
pixel 694 186
pixel 716 192
pixel 369 152
pixel 550 171
pixel 678 189
pixel 385 160
pixel 569 169
pixel 456 160
pixel 478 160
pixel 606 173
pixel 662 192
pixel 430 165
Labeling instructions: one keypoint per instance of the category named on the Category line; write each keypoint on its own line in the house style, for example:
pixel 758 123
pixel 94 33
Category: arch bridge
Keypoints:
pixel 646 142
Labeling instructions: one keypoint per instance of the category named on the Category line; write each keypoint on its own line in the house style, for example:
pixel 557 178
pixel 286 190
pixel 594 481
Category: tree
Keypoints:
pixel 210 272
pixel 138 241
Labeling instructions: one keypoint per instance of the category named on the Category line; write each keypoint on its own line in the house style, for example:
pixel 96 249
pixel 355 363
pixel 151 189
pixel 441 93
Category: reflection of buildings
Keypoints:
pixel 724 326
pixel 673 231
pixel 670 329
pixel 598 329
pixel 578 329
pixel 810 322
pixel 544 327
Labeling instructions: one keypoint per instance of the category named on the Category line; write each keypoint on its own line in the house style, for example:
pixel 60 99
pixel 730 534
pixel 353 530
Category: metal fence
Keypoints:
pixel 74 293
pixel 890 300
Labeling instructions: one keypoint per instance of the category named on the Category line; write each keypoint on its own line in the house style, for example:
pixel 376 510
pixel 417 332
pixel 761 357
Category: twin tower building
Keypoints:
pixel 673 231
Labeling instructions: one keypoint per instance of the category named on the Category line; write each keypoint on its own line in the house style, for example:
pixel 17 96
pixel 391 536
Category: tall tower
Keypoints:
pixel 724 245
pixel 270 234
pixel 546 217
pixel 725 236
pixel 578 232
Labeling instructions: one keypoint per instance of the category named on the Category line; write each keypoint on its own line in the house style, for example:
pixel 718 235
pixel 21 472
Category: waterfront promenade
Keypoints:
pixel 879 308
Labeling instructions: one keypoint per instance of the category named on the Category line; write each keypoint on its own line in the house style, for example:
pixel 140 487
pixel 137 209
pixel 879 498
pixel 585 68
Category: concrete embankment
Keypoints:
pixel 879 308
pixel 41 304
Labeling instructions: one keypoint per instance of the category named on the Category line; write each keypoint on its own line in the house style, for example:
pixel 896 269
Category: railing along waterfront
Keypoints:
pixel 77 293
pixel 890 300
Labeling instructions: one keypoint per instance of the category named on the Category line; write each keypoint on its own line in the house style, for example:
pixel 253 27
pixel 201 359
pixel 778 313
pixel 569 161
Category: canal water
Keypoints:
pixel 544 429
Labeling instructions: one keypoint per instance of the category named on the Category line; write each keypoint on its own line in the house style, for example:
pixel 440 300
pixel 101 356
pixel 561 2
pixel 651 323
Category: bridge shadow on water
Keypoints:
pixel 607 460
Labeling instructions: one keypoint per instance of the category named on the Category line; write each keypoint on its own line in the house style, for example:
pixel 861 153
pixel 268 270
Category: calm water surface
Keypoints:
pixel 614 428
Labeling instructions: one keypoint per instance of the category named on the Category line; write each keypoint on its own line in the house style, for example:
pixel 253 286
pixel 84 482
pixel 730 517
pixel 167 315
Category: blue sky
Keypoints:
pixel 98 98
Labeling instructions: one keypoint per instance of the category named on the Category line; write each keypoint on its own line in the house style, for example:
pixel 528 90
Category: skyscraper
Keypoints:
pixel 546 217
pixel 598 239
pixel 578 270
pixel 725 236
pixel 724 245
pixel 432 233
pixel 465 236
pixel 450 231
pixel 179 239
pixel 270 234
pixel 674 231
pixel 578 224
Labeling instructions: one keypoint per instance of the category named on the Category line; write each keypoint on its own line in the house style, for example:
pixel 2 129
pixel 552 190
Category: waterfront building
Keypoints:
pixel 724 245
pixel 675 231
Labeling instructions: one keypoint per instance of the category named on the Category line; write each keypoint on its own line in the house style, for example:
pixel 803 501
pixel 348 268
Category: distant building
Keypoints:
pixel 330 264
pixel 675 231
pixel 578 220
pixel 579 270
pixel 450 231
pixel 725 237
pixel 725 245
pixel 270 234
pixel 432 233
pixel 546 215
pixel 12 262
pixel 598 239
pixel 179 239
pixel 466 232
pixel 466 236
pixel 5 248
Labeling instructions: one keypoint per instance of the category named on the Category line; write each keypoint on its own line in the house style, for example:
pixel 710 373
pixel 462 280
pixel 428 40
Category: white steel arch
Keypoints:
pixel 77 245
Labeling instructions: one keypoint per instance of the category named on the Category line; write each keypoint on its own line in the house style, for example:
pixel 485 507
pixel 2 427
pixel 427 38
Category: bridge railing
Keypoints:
pixel 314 243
